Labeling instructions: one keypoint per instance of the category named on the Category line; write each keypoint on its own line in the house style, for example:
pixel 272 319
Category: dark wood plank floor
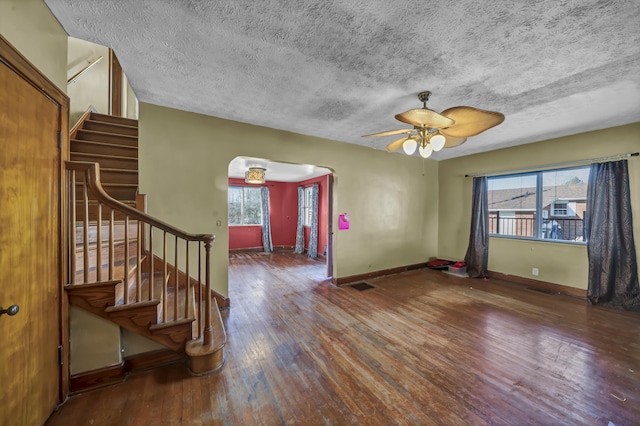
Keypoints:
pixel 420 348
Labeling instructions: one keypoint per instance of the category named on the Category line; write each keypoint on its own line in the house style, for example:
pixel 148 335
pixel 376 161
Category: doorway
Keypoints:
pixel 283 181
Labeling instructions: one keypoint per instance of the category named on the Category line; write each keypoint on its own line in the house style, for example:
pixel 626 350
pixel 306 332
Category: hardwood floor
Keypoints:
pixel 420 348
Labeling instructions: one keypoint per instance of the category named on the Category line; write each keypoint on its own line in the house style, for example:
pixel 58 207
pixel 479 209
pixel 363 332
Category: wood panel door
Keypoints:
pixel 29 249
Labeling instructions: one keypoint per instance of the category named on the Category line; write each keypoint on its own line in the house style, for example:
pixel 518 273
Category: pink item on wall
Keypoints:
pixel 344 221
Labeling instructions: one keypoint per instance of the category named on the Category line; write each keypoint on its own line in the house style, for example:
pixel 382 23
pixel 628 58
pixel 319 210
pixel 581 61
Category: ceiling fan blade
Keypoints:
pixel 451 141
pixel 389 133
pixel 470 121
pixel 425 117
pixel 396 145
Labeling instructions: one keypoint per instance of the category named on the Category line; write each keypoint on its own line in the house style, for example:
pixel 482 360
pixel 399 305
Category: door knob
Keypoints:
pixel 11 310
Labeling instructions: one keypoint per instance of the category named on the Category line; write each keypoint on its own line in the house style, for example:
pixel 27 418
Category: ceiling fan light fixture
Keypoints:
pixel 437 142
pixel 255 175
pixel 433 131
pixel 425 151
pixel 409 146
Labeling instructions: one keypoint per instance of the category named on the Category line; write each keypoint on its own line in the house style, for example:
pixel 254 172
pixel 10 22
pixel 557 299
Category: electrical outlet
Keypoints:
pixel 534 272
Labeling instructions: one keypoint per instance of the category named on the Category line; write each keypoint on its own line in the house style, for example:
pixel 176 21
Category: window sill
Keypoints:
pixel 539 240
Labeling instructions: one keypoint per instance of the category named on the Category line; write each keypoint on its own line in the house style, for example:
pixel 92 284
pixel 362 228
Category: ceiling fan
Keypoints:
pixel 432 131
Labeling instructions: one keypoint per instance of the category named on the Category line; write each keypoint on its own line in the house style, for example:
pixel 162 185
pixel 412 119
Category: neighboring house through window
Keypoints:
pixel 308 209
pixel 544 205
pixel 244 205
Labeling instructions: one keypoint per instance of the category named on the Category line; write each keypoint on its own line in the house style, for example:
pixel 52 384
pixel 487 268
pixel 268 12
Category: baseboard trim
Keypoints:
pixel 114 374
pixel 542 285
pixel 375 274
pixel 260 249
pixel 95 379
pixel 153 359
pixel 247 250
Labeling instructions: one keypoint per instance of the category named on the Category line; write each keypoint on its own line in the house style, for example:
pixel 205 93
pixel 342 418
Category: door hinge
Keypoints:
pixel 59 139
pixel 60 355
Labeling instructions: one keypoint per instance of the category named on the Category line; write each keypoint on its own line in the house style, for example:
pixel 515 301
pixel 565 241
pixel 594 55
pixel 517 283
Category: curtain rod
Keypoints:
pixel 554 166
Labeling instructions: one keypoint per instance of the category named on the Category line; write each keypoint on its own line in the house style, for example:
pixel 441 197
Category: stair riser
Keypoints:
pixel 87 147
pixel 111 119
pixel 117 192
pixel 93 299
pixel 119 176
pixel 93 212
pixel 107 162
pixel 106 138
pixel 110 128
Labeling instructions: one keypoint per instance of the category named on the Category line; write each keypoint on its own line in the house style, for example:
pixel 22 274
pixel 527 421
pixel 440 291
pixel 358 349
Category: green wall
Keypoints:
pixel 392 203
pixel 92 88
pixel 563 264
pixel 31 28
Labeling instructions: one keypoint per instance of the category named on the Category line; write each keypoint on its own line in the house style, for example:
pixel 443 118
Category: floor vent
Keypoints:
pixel 361 286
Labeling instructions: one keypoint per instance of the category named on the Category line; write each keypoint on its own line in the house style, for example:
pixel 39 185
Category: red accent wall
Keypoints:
pixel 283 207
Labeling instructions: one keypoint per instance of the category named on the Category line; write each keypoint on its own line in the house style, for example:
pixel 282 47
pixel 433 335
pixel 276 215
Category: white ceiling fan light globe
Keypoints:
pixel 409 146
pixel 425 151
pixel 437 142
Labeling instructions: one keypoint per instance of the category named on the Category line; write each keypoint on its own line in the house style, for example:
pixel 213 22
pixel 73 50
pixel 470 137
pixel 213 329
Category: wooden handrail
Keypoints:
pixel 93 180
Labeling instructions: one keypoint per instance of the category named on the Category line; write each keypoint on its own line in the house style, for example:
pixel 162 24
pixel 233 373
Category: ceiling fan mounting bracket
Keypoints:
pixel 424 96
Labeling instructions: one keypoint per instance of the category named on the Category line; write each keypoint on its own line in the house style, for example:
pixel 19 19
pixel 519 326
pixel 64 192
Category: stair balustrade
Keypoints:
pixel 144 246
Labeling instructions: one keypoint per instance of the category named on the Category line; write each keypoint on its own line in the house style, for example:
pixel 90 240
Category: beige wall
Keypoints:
pixel 34 31
pixel 393 206
pixel 95 342
pixel 558 263
pixel 91 89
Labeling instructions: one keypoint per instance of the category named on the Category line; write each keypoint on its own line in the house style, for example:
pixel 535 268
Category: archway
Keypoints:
pixel 283 181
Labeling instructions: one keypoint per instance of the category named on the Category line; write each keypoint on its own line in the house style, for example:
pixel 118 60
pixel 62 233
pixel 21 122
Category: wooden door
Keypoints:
pixel 29 249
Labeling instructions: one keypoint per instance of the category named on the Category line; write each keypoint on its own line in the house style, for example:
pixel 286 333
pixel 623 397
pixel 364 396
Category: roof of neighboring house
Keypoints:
pixel 525 198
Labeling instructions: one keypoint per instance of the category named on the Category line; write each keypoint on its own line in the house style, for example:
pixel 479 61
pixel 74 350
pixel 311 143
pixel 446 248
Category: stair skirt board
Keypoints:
pixel 222 301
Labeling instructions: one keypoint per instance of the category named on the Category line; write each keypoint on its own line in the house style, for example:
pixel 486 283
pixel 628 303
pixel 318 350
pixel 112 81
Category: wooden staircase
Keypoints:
pixel 111 142
pixel 128 267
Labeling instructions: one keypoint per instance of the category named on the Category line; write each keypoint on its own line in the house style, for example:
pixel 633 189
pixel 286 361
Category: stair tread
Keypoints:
pixel 92 284
pixel 219 340
pixel 119 184
pixel 132 305
pixel 172 323
pixel 89 154
pixel 112 169
pixel 106 117
pixel 91 142
pixel 108 133
pixel 95 202
pixel 110 123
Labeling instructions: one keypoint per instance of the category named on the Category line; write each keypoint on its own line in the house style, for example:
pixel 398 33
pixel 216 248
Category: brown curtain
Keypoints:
pixel 477 256
pixel 613 268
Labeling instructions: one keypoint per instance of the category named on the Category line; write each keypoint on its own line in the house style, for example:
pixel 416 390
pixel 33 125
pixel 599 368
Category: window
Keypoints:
pixel 544 205
pixel 308 206
pixel 559 208
pixel 245 207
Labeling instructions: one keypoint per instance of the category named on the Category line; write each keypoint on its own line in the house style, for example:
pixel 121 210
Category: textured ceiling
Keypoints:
pixel 339 69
